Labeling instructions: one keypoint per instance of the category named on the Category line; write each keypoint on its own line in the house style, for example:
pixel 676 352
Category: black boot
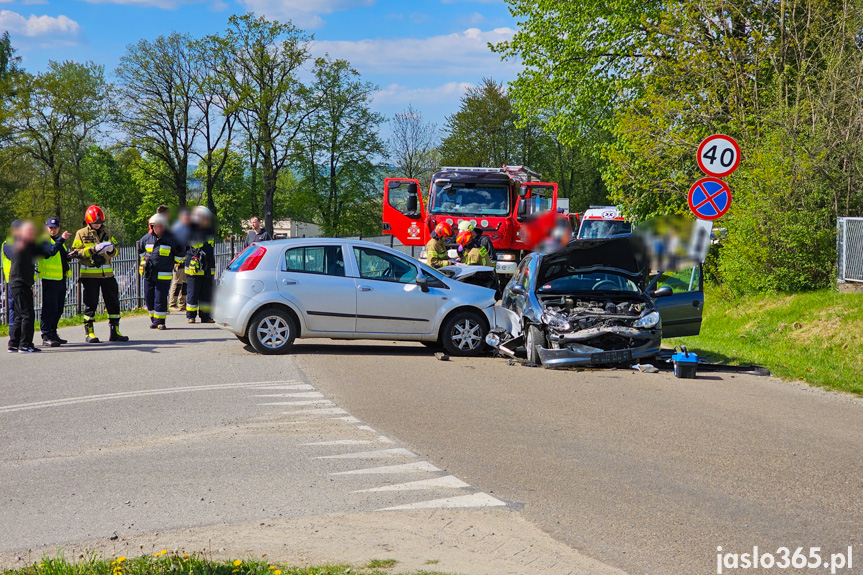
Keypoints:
pixel 91 335
pixel 56 337
pixel 116 335
pixel 48 340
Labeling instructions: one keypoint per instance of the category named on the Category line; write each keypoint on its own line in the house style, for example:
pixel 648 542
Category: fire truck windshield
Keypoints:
pixel 464 199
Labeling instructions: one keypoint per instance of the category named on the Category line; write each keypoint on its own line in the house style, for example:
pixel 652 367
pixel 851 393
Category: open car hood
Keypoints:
pixel 624 256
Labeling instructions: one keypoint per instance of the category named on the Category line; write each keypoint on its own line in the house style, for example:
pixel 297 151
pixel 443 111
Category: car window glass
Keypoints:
pixel 377 265
pixel 683 281
pixel 327 260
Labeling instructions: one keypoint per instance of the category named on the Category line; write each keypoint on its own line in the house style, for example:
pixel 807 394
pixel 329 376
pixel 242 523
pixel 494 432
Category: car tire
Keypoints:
pixel 244 339
pixel 534 338
pixel 272 331
pixel 463 334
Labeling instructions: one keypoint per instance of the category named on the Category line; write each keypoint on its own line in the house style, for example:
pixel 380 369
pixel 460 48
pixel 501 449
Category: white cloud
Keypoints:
pixel 397 94
pixel 164 4
pixel 458 53
pixel 304 13
pixel 38 26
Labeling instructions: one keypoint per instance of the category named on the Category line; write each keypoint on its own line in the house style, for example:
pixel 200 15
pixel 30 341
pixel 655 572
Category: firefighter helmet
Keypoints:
pixel 443 230
pixel 466 226
pixel 463 238
pixel 94 215
pixel 158 220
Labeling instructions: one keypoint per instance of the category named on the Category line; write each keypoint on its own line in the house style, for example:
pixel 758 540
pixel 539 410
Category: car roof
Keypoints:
pixel 326 242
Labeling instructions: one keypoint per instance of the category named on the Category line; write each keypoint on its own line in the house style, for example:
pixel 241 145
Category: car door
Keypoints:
pixel 681 312
pixel 388 298
pixel 313 278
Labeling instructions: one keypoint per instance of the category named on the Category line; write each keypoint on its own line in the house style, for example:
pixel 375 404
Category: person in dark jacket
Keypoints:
pixel 159 253
pixel 7 250
pixel 53 271
pixel 257 233
pixel 22 277
pixel 200 266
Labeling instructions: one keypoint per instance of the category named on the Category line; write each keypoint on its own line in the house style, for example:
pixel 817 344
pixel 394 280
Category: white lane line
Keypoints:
pixel 474 500
pixel 384 439
pixel 121 395
pixel 279 384
pixel 366 428
pixel 317 412
pixel 397 452
pixel 348 419
pixel 306 394
pixel 304 402
pixel 292 387
pixel 417 467
pixel 340 442
pixel 445 482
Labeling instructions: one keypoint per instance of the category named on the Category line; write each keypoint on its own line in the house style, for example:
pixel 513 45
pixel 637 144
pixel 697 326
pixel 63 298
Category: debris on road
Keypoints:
pixel 645 368
pixel 441 356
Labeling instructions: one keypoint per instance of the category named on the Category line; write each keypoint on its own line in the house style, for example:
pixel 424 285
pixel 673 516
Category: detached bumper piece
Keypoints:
pixel 580 355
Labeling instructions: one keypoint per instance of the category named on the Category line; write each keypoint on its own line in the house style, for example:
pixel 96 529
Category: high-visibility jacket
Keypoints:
pixel 6 259
pixel 201 255
pixel 92 264
pixel 436 253
pixel 162 253
pixel 56 267
pixel 476 256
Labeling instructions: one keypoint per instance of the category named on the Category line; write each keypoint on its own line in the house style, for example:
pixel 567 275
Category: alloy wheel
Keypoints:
pixel 273 332
pixel 467 334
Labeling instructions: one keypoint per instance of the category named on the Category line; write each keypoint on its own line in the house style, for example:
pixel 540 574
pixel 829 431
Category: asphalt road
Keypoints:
pixel 644 472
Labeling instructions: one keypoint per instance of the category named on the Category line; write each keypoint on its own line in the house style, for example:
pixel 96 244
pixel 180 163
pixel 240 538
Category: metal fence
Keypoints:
pixel 126 271
pixel 850 250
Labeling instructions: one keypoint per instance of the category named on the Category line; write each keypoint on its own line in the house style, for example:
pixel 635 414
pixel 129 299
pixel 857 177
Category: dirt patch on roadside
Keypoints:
pixel 497 542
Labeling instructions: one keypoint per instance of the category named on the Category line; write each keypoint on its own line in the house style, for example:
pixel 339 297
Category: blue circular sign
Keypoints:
pixel 709 198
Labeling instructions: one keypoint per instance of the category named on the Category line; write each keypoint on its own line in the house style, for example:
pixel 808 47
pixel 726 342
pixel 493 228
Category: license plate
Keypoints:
pixel 619 356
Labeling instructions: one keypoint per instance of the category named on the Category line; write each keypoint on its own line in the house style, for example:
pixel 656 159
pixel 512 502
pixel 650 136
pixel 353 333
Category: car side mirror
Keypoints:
pixel 423 283
pixel 517 289
pixel 664 291
pixel 522 192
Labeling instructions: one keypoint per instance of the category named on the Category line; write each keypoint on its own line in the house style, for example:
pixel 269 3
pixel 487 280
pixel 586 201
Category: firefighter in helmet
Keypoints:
pixel 436 252
pixel 95 248
pixel 200 266
pixel 471 252
pixel 159 252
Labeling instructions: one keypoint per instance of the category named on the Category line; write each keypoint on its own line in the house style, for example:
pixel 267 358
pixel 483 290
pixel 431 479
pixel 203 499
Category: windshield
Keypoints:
pixel 594 229
pixel 470 199
pixel 586 282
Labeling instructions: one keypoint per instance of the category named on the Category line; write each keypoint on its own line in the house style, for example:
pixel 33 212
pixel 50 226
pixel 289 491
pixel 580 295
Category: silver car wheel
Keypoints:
pixel 467 334
pixel 273 332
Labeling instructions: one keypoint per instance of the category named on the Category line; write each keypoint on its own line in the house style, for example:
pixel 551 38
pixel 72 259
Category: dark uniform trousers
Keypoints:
pixel 53 302
pixel 199 296
pixel 10 318
pixel 157 292
pixel 21 332
pixel 110 294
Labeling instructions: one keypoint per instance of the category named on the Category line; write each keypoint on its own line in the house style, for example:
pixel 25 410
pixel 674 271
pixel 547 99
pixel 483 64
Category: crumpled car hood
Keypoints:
pixel 624 256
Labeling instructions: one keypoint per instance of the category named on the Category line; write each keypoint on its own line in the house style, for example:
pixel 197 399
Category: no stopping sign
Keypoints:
pixel 718 155
pixel 709 198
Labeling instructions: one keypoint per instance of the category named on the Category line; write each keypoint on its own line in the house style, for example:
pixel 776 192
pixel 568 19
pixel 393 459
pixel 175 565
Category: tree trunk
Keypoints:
pixel 270 175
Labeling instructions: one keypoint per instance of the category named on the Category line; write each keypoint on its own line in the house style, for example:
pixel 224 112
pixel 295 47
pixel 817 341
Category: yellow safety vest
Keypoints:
pixel 52 268
pixel 7 263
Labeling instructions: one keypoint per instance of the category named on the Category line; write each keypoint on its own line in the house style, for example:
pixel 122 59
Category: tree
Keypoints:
pixel 159 91
pixel 413 145
pixel 228 191
pixel 56 115
pixel 107 181
pixel 261 63
pixel 338 148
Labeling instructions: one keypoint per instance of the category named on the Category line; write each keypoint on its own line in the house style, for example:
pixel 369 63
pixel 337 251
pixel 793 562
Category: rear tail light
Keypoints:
pixel 252 260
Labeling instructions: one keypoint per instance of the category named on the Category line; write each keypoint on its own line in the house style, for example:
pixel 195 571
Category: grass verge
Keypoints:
pixel 165 563
pixel 816 337
pixel 77 320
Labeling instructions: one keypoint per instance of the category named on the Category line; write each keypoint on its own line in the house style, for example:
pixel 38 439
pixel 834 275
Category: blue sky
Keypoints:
pixel 424 52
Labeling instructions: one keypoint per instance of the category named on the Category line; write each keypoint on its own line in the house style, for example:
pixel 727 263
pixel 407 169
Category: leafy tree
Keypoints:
pixel 159 89
pixel 229 191
pixel 262 62
pixel 108 182
pixel 413 145
pixel 338 148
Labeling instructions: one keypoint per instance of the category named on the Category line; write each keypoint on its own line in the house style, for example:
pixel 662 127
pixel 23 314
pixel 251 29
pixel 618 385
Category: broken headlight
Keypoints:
pixel 647 320
pixel 556 321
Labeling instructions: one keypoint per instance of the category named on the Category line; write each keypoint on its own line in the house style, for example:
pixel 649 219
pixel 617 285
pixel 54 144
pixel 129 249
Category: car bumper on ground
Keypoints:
pixel 590 356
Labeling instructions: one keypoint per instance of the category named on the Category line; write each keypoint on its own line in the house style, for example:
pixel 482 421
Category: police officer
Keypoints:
pixel 53 270
pixel 200 266
pixel 436 252
pixel 94 247
pixel 159 252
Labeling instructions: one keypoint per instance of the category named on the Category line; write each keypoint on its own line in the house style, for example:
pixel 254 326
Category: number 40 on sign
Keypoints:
pixel 718 155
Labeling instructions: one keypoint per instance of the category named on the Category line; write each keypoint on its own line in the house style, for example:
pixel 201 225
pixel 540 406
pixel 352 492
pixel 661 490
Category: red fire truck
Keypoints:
pixel 500 201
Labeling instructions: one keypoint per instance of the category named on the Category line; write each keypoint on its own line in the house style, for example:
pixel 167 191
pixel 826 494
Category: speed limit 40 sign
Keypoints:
pixel 718 155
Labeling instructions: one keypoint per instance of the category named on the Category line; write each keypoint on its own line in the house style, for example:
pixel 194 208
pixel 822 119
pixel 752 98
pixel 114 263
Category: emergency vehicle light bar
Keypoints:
pixel 522 173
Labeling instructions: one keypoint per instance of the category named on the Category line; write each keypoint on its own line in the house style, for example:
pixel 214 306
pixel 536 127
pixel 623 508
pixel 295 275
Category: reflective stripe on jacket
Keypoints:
pixel 85 244
pixel 163 253
pixel 436 253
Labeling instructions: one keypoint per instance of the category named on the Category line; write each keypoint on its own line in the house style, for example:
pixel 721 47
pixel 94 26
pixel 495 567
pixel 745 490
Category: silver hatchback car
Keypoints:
pixel 274 292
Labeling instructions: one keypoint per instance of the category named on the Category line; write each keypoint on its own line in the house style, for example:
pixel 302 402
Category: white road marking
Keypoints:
pixel 291 387
pixel 349 419
pixel 122 395
pixel 316 412
pixel 384 439
pixel 304 402
pixel 340 442
pixel 307 394
pixel 445 482
pixel 397 452
pixel 366 428
pixel 417 467
pixel 473 500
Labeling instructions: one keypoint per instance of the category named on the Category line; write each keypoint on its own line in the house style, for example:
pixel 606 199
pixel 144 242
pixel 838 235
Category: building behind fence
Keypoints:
pixel 126 271
pixel 849 249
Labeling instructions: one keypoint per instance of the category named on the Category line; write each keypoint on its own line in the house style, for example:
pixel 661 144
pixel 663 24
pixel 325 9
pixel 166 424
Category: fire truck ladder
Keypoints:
pixel 520 173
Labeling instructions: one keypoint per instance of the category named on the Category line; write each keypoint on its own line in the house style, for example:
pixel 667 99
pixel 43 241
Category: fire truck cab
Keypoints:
pixel 497 200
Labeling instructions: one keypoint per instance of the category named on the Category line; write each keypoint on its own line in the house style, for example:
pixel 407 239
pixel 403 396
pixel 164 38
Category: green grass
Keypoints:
pixel 77 320
pixel 816 337
pixel 165 563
